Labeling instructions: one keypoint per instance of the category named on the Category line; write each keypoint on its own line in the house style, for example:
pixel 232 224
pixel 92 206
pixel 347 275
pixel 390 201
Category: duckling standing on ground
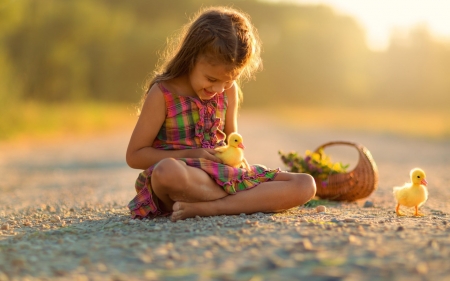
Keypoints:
pixel 232 154
pixel 412 194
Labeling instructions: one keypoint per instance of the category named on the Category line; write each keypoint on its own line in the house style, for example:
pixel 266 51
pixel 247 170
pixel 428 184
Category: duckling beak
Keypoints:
pixel 241 145
pixel 424 182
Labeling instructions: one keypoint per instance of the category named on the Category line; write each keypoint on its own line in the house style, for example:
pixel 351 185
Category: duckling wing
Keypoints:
pixel 397 190
pixel 401 192
pixel 232 157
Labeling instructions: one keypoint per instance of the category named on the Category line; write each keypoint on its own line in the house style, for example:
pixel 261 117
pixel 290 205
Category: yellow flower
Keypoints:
pixel 317 164
pixel 336 167
pixel 316 157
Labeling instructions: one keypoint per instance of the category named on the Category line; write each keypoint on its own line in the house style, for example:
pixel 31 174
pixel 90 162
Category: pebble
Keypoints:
pixel 55 219
pixel 306 244
pixel 354 240
pixel 102 267
pixel 321 209
pixel 150 275
pixel 18 262
pixel 27 223
pixel 169 264
pixel 368 204
pixel 5 226
pixel 422 268
pixel 433 244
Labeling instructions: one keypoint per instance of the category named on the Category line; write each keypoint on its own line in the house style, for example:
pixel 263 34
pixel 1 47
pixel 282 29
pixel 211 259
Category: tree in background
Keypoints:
pixel 65 51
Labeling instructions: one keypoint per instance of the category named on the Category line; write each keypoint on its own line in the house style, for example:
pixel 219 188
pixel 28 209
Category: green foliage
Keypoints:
pixel 317 202
pixel 43 120
pixel 317 164
pixel 59 51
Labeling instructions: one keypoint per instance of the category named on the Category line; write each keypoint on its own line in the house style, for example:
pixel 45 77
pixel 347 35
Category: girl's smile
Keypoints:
pixel 209 94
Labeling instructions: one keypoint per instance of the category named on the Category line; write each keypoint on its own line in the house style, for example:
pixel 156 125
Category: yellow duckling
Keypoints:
pixel 232 154
pixel 412 194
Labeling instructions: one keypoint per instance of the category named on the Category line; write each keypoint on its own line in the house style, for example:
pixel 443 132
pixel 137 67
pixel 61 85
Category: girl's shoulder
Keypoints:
pixel 162 89
pixel 155 91
pixel 153 105
pixel 158 91
pixel 169 93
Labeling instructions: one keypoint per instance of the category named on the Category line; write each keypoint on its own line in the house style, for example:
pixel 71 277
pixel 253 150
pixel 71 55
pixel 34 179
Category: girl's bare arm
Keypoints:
pixel 231 115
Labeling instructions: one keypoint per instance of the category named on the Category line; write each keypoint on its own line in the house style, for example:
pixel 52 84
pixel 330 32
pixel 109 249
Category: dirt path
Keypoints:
pixel 63 217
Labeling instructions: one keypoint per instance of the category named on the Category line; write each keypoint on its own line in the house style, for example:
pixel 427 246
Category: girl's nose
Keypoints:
pixel 218 88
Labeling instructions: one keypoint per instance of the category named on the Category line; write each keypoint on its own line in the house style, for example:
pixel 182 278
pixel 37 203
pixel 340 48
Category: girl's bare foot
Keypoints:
pixel 184 210
pixel 178 212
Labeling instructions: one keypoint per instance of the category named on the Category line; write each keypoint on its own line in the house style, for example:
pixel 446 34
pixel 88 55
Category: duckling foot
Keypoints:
pixel 397 210
pixel 400 213
pixel 417 213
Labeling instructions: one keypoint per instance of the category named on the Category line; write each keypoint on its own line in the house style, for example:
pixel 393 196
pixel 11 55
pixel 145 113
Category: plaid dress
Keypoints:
pixel 192 123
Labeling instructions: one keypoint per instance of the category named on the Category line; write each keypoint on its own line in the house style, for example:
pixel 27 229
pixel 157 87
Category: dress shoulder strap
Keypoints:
pixel 163 89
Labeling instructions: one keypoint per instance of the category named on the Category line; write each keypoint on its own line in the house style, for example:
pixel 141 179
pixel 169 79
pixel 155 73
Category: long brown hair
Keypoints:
pixel 222 34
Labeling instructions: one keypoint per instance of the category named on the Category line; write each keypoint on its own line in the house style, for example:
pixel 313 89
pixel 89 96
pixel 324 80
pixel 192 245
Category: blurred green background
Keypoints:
pixel 76 66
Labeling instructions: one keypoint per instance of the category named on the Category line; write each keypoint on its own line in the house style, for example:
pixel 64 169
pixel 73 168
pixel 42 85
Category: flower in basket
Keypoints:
pixel 317 164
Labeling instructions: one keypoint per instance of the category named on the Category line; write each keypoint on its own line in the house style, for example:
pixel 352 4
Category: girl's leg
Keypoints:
pixel 286 191
pixel 172 180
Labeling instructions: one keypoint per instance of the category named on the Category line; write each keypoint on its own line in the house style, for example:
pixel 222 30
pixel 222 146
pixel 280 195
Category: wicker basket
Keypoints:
pixel 356 184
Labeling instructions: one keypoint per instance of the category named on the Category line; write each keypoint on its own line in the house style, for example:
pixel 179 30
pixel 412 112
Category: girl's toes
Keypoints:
pixel 177 213
pixel 176 206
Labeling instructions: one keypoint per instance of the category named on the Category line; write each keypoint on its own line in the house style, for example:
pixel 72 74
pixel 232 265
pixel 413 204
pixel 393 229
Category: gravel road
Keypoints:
pixel 63 216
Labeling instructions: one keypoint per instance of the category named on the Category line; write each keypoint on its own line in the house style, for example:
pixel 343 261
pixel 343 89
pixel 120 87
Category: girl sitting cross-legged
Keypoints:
pixel 189 107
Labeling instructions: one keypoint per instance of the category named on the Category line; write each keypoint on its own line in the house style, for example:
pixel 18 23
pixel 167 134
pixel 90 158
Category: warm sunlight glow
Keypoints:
pixel 381 17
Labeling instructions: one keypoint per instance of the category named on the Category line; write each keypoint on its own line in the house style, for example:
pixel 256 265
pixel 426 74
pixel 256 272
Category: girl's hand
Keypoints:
pixel 206 153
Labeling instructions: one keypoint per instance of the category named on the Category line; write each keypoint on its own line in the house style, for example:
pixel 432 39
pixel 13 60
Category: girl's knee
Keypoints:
pixel 306 185
pixel 167 173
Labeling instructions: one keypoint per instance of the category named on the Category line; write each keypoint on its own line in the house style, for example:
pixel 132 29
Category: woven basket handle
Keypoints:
pixel 358 146
pixel 363 152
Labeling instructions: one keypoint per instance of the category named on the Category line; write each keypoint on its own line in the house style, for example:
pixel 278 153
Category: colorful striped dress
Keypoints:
pixel 192 123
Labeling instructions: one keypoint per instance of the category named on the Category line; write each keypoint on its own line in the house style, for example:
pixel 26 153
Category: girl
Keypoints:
pixel 189 107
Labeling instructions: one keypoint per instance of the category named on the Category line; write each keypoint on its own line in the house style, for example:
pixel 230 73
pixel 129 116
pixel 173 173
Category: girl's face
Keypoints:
pixel 208 80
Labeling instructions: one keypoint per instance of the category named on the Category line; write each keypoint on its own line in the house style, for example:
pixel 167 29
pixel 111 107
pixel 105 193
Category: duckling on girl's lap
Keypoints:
pixel 232 154
pixel 190 102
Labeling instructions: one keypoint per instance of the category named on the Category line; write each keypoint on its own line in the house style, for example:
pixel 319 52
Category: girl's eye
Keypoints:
pixel 211 80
